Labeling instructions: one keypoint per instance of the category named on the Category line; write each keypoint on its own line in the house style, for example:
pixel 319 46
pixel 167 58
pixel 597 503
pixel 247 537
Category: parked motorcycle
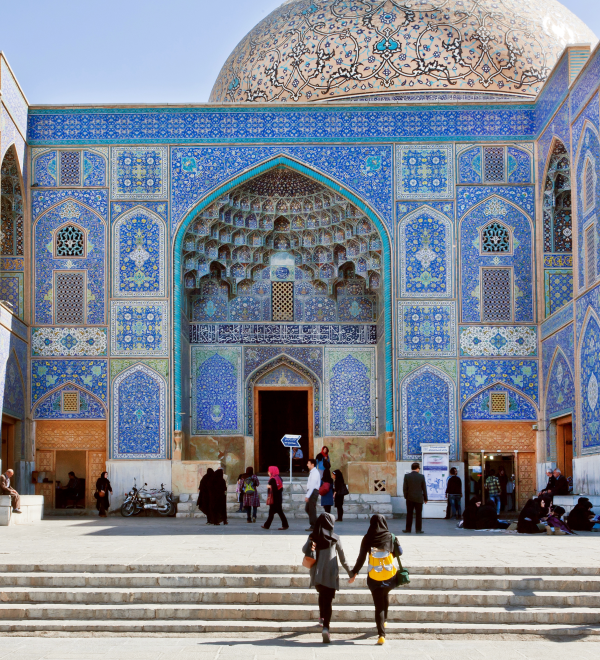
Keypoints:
pixel 143 498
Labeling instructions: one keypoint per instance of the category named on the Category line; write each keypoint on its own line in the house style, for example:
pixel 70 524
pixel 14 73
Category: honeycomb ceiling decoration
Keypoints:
pixel 282 212
pixel 318 50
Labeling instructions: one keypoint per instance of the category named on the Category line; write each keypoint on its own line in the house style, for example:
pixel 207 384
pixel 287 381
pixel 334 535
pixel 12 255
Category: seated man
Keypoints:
pixel 550 484
pixel 561 486
pixel 71 487
pixel 5 489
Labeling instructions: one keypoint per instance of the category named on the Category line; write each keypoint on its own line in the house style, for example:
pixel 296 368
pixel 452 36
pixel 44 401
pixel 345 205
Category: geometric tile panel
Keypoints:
pixel 283 377
pixel 589 383
pixel 558 289
pixel 94 168
pixel 11 292
pixel 139 328
pixel 90 375
pixel 427 329
pixel 428 411
pixel 216 391
pixel 139 173
pixel 64 342
pixel 139 254
pixel 139 414
pixel 426 257
pixel 498 341
pixel 350 391
pixel 476 375
pixel 424 171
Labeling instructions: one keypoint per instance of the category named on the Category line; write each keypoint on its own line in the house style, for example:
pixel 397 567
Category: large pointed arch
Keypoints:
pixel 273 163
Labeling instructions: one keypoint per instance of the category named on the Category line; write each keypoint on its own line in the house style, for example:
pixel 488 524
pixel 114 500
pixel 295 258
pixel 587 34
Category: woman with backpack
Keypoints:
pixel 382 547
pixel 251 497
pixel 275 499
pixel 340 491
pixel 326 491
pixel 322 550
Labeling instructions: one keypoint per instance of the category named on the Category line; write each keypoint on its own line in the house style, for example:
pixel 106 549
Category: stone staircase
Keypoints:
pixel 356 507
pixel 121 598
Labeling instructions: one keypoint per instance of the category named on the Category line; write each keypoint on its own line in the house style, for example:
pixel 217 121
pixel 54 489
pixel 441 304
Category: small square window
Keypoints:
pixel 70 168
pixel 493 160
pixel 498 403
pixel 70 402
pixel 283 301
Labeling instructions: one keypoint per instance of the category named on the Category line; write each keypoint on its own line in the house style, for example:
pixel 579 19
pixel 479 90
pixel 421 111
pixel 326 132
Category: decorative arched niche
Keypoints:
pixel 518 407
pixel 589 378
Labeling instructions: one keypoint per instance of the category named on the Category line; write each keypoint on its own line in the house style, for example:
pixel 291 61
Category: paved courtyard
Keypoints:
pixel 174 541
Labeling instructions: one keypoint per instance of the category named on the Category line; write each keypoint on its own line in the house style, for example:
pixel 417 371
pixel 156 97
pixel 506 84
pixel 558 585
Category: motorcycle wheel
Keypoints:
pixel 168 511
pixel 127 509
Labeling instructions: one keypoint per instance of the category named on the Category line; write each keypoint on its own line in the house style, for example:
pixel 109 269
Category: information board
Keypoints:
pixel 436 470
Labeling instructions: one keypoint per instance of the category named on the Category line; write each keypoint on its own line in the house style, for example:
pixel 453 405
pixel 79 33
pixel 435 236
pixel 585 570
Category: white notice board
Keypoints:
pixel 436 469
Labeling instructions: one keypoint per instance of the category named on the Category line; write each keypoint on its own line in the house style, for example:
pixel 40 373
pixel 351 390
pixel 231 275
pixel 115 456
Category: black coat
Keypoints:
pixel 529 518
pixel 561 487
pixel 102 484
pixel 415 487
pixel 579 520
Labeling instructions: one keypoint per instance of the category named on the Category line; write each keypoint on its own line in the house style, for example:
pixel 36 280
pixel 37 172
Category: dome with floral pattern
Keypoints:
pixel 322 50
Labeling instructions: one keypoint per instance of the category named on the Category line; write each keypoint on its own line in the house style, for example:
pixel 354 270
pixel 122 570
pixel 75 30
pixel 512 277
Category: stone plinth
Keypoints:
pixel 32 507
pixel 186 475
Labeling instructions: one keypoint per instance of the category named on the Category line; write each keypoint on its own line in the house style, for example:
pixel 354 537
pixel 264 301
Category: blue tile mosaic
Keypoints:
pixel 519 165
pixel 283 377
pixel 522 375
pixel 50 407
pixel 556 321
pixel 589 149
pixel 139 328
pixel 558 289
pixel 90 375
pixel 590 115
pixel 428 411
pixel 45 171
pixel 586 85
pixel 11 292
pixel 424 172
pixel 427 329
pixel 558 129
pixel 216 391
pixel 519 408
pixel 426 255
pixel 42 200
pixel 66 213
pixel 139 414
pixel 350 391
pixel 14 389
pixel 589 369
pixel 565 341
pixel 139 173
pixel 560 392
pixel 312 358
pixel 320 309
pixel 520 261
pixel 69 342
pixel 139 254
pixel 591 299
pixel 522 196
pixel 470 166
pixel 498 341
pixel 94 169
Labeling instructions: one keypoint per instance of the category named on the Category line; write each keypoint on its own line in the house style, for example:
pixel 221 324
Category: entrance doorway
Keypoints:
pixel 279 412
pixel 479 465
pixel 564 445
pixel 8 445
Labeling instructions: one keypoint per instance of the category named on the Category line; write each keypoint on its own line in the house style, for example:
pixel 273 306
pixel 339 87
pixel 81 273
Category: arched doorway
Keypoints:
pixel 283 259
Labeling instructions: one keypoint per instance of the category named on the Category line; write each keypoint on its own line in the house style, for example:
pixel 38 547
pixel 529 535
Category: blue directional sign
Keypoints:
pixel 291 440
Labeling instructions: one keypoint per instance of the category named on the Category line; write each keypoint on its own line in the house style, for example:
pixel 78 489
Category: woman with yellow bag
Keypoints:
pixel 382 547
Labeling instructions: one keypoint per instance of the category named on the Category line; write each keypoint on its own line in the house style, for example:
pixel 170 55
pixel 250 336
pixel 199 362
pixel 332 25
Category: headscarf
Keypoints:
pixel 339 481
pixel 378 535
pixel 327 479
pixel 249 472
pixel 326 452
pixel 274 470
pixel 323 534
pixel 206 479
pixel 558 511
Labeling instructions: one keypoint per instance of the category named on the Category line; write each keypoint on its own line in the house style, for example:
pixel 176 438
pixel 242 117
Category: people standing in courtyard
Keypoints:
pixel 415 493
pixel 275 499
pixel 312 493
pixel 325 572
pixel 382 547
pixel 251 496
pixel 323 460
pixel 326 490
pixel 492 486
pixel 454 493
pixel 204 494
pixel 510 494
pixel 503 481
pixel 103 488
pixel 218 498
pixel 6 489
pixel 239 491
pixel 340 491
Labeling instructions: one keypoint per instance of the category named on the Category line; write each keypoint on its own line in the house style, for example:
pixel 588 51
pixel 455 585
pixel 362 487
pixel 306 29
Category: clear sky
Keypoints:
pixel 137 51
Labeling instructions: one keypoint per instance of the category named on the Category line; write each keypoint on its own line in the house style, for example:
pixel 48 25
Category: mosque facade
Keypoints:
pixel 381 231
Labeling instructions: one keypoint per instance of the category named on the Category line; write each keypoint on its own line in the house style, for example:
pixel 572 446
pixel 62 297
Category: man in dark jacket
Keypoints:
pixel 561 486
pixel 415 493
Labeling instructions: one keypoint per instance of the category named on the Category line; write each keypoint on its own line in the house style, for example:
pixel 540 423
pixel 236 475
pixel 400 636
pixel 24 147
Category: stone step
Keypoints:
pixel 244 597
pixel 456 583
pixel 199 626
pixel 304 613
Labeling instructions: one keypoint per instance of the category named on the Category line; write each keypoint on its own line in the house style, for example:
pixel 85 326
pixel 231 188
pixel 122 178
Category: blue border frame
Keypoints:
pixel 271 164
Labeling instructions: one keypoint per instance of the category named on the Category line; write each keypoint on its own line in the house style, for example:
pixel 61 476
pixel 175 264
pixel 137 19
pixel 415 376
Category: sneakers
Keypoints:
pixel 17 511
pixel 321 622
pixel 326 636
pixel 381 641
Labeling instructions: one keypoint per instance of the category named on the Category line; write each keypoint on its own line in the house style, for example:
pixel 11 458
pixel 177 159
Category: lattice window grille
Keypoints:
pixel 590 185
pixel 283 301
pixel 70 168
pixel 496 298
pixel 69 298
pixel 495 239
pixel 379 485
pixel 70 402
pixel 70 243
pixel 493 159
pixel 498 403
pixel 590 249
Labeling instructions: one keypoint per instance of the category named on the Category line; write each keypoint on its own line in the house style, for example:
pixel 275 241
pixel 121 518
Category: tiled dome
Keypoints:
pixel 315 50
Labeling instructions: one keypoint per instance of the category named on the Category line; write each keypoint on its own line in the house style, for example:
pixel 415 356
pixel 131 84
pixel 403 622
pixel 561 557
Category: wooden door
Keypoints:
pixel 45 462
pixel 96 464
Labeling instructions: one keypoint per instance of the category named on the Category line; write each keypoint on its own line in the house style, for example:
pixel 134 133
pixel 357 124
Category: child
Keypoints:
pixel 555 523
pixel 239 491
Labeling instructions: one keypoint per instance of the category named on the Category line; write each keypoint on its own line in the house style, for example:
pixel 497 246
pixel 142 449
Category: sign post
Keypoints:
pixel 293 442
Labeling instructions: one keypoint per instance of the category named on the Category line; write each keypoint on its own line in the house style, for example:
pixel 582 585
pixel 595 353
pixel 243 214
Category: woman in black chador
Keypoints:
pixel 218 499
pixel 204 494
pixel 103 488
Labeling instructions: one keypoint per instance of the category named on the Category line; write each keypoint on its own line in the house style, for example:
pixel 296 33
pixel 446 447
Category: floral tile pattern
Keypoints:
pixel 139 173
pixel 519 408
pixel 50 407
pixel 424 172
pixel 90 375
pixel 68 342
pixel 521 375
pixel 427 329
pixel 139 328
pixel 498 341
